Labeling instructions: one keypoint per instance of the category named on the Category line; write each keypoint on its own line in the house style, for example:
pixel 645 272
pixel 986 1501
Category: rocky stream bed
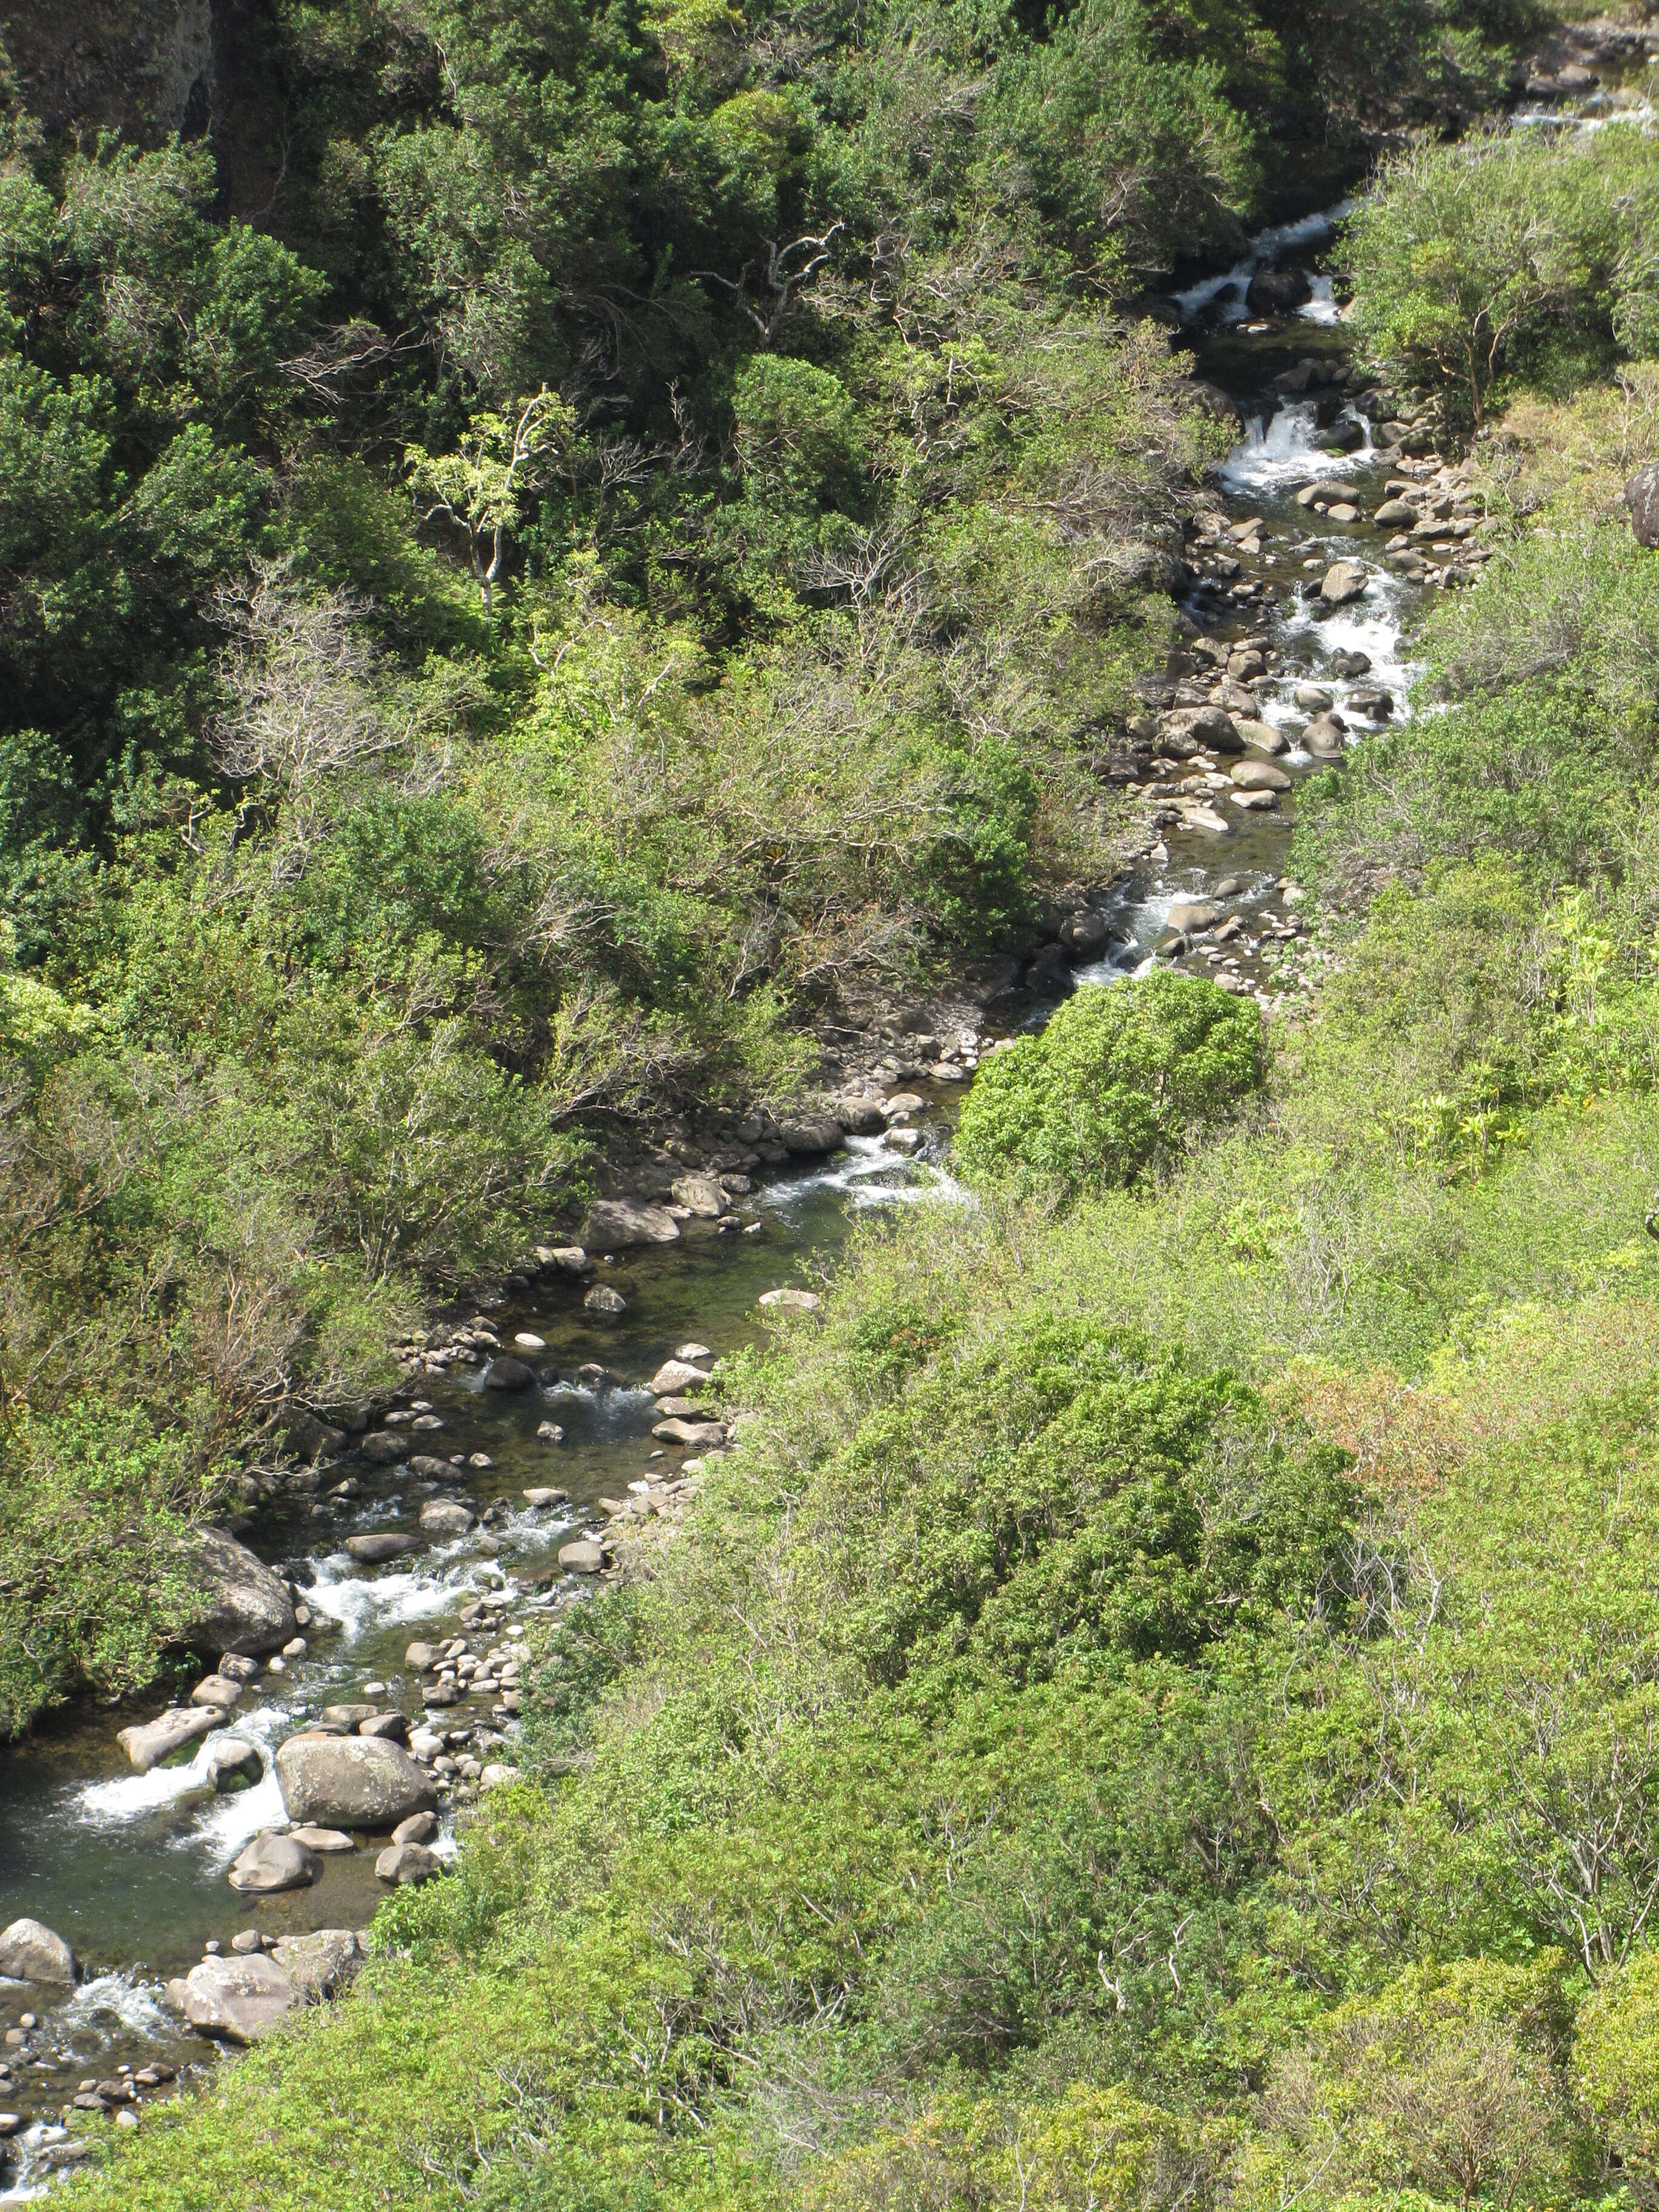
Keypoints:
pixel 178 1877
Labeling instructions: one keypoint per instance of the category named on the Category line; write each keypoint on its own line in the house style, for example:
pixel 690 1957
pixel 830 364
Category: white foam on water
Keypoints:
pixel 357 1603
pixel 866 1174
pixel 1321 307
pixel 1279 451
pixel 1265 250
pixel 113 2003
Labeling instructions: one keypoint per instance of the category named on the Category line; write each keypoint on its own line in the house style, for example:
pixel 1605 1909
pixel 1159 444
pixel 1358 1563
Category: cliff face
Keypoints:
pixel 147 68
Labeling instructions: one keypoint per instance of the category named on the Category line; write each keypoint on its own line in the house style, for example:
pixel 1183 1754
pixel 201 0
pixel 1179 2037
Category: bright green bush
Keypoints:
pixel 1113 1087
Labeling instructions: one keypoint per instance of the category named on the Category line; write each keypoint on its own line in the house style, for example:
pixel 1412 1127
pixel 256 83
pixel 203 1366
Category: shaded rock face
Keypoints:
pixel 30 1951
pixel 147 66
pixel 242 1605
pixel 351 1782
pixel 1276 291
pixel 238 1999
pixel 1642 498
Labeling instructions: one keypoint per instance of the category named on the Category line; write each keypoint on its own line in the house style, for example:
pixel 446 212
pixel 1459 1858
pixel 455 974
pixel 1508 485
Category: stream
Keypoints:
pixel 130 1868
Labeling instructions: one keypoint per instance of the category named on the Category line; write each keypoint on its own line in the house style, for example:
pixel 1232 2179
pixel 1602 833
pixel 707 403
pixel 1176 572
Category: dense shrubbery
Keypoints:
pixel 1113 1086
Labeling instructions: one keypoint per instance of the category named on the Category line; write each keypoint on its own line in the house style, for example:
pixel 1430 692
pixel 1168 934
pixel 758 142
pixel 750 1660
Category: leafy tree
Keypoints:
pixel 1112 1087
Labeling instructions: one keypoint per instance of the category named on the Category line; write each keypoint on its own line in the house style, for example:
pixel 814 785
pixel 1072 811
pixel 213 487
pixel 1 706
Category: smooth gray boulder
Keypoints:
pixel 507 1373
pixel 270 1863
pixel 31 1952
pixel 1343 580
pixel 702 1195
pixel 238 2000
pixel 374 1551
pixel 1642 498
pixel 242 1605
pixel 602 1299
pixel 403 1865
pixel 351 1782
pixel 446 1517
pixel 614 1223
pixel 418 1828
pixel 583 1556
pixel 147 1743
pixel 387 1446
pixel 319 1965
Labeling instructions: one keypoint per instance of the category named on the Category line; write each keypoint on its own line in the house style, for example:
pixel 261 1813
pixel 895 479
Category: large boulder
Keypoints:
pixel 238 1998
pixel 375 1549
pixel 507 1373
pixel 30 1951
pixel 270 1863
pixel 1642 498
pixel 1259 775
pixel 1343 580
pixel 1276 291
pixel 321 1963
pixel 702 1195
pixel 351 1782
pixel 147 1743
pixel 241 1605
pixel 614 1223
pixel 406 1865
pixel 810 1136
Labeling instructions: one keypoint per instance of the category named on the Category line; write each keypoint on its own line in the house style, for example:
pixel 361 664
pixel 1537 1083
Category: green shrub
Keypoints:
pixel 1113 1088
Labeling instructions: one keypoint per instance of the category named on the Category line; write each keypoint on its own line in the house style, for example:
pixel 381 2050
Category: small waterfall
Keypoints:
pixel 1321 307
pixel 1279 450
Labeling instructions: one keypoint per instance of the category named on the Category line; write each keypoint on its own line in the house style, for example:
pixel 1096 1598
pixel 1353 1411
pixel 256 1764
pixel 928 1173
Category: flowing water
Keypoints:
pixel 132 1868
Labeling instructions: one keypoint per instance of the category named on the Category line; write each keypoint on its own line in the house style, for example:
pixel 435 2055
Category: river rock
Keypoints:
pixel 319 1965
pixel 385 1447
pixel 1344 580
pixel 1259 775
pixel 420 1656
pixel 148 1743
pixel 615 1224
pixel 437 1470
pixel 1394 514
pixel 796 1301
pixel 238 1999
pixel 704 1435
pixel 812 1135
pixel 564 1259
pixel 701 1195
pixel 544 1494
pixel 1352 662
pixel 507 1373
pixel 1323 736
pixel 548 1433
pixel 351 1782
pixel 585 1556
pixel 31 1952
pixel 446 1517
pixel 1213 728
pixel 217 1691
pixel 1262 736
pixel 391 1727
pixel 1193 914
pixel 374 1550
pixel 327 1843
pixel 233 1765
pixel 602 1299
pixel 418 1828
pixel 406 1864
pixel 861 1117
pixel 1084 936
pixel 350 1717
pixel 270 1863
pixel 1277 291
pixel 675 1374
pixel 1314 698
pixel 1642 498
pixel 497 1774
pixel 242 1605
pixel 1328 491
